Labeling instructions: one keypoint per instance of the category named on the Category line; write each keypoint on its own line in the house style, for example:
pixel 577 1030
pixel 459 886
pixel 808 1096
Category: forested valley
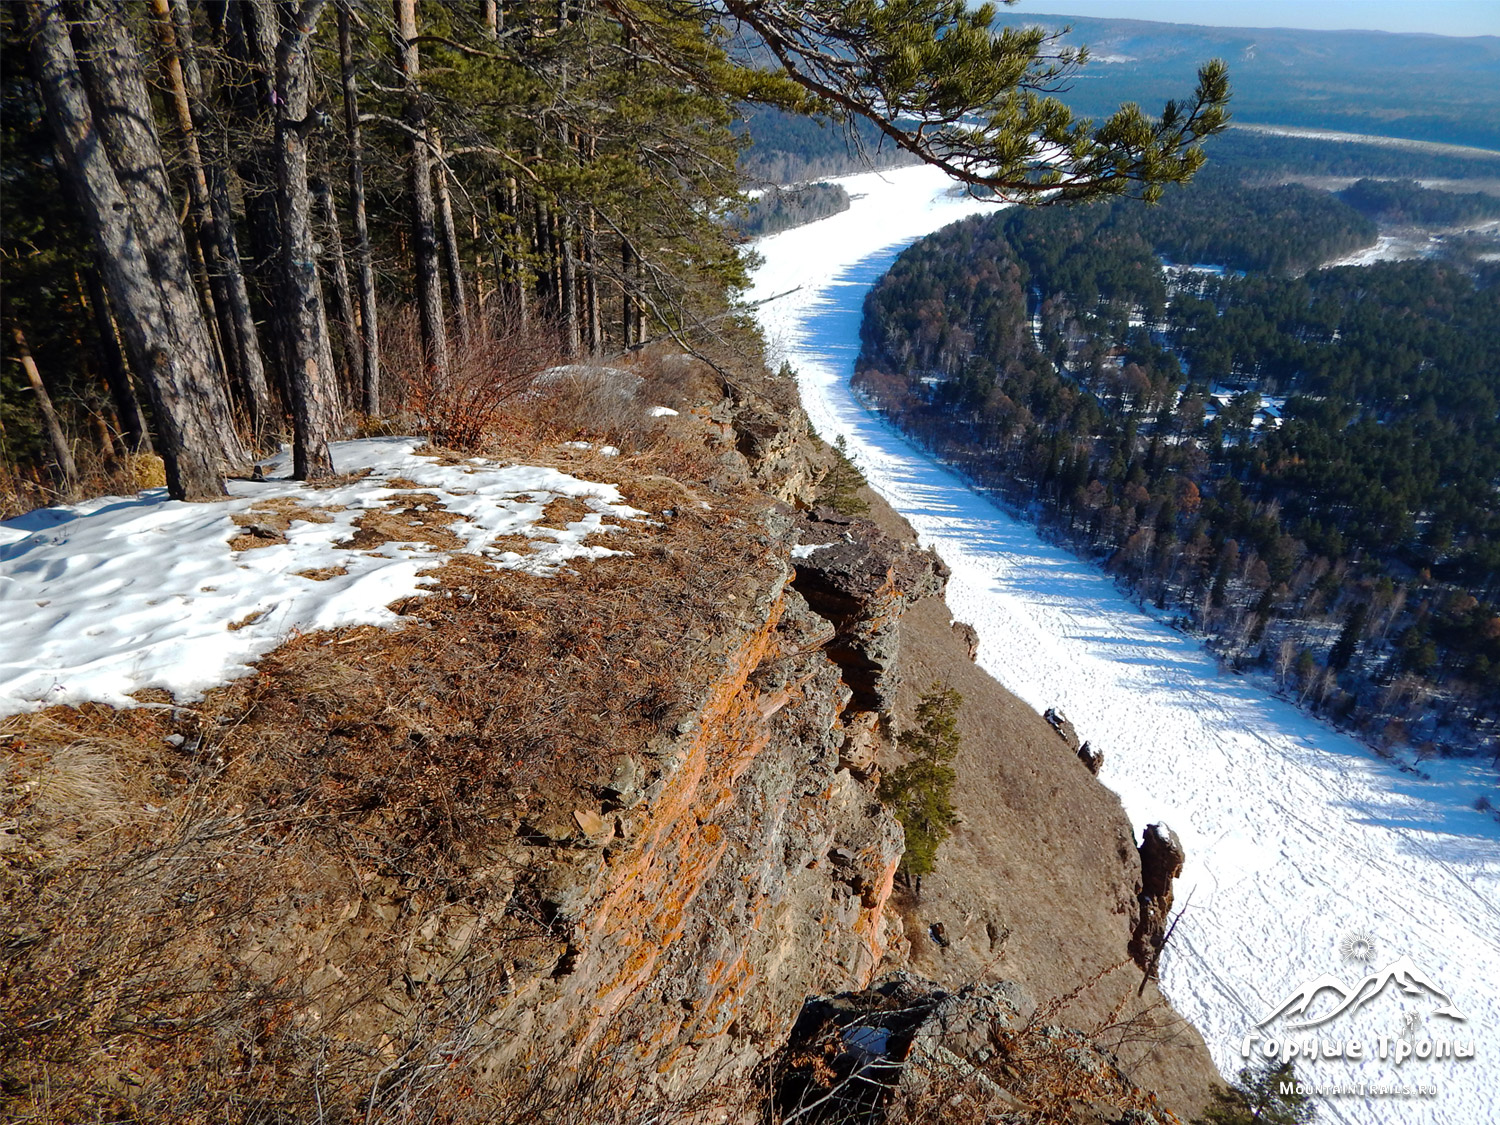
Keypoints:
pixel 1302 468
pixel 777 209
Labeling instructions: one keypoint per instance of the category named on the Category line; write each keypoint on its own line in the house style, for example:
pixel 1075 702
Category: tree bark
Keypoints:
pixel 423 212
pixel 316 417
pixel 116 373
pixel 568 287
pixel 370 352
pixel 142 252
pixel 343 295
pixel 451 257
pixel 515 273
pixel 541 245
pixel 250 35
pixel 62 453
pixel 591 269
pixel 210 198
pixel 630 312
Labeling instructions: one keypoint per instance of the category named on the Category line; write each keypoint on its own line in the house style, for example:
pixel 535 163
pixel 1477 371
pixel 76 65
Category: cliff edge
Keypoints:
pixel 575 846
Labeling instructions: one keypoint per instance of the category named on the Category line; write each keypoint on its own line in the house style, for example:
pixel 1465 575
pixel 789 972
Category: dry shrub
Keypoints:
pixel 597 402
pixel 487 375
pixel 100 473
pixel 674 379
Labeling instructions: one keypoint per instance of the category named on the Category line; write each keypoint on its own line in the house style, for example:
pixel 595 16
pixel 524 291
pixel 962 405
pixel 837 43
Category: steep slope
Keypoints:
pixel 573 846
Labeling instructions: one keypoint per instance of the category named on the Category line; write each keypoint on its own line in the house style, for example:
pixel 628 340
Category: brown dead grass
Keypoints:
pixel 268 521
pixel 314 897
pixel 412 517
pixel 563 511
pixel 322 573
pixel 280 512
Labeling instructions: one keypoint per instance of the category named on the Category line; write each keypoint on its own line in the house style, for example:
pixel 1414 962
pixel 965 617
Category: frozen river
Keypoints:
pixel 1308 857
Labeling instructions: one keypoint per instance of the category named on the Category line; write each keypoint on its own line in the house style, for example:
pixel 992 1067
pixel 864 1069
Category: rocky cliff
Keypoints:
pixel 575 850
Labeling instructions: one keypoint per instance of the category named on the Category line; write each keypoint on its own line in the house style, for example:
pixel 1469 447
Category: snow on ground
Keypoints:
pixel 1297 837
pixel 1390 248
pixel 108 597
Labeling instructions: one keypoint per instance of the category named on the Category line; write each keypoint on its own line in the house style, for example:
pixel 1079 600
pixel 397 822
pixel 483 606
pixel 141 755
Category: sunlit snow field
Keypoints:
pixel 1298 838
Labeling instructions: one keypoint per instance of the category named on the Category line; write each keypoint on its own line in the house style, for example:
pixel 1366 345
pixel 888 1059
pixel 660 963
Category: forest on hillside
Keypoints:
pixel 395 198
pixel 1301 468
pixel 781 208
pixel 1407 201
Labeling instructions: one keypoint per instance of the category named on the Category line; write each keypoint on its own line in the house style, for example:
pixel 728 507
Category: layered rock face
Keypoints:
pixel 753 872
pixel 583 849
pixel 746 863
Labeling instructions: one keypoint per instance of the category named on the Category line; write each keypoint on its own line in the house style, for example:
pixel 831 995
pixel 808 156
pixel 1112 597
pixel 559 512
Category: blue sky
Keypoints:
pixel 1438 17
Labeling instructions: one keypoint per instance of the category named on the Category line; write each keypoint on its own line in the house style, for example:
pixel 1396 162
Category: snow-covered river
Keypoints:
pixel 1308 858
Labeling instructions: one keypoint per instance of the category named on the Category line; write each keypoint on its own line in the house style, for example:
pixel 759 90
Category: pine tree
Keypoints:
pixel 920 793
pixel 1264 1096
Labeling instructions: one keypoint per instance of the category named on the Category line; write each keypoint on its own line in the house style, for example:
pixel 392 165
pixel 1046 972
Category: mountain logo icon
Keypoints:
pixel 1405 976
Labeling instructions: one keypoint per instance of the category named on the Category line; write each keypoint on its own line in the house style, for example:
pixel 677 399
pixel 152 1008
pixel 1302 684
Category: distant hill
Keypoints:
pixel 1423 87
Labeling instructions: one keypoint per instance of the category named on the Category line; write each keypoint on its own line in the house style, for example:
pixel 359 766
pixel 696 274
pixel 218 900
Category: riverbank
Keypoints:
pixel 1297 837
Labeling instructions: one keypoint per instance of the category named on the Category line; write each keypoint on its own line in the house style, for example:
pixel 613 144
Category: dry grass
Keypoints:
pixel 266 524
pixel 25 488
pixel 322 573
pixel 306 897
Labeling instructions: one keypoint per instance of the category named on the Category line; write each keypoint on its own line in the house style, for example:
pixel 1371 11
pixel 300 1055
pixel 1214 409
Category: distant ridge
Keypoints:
pixel 1421 87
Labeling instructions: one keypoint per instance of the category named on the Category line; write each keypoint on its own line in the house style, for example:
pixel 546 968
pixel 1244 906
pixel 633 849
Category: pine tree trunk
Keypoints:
pixel 116 373
pixel 343 295
pixel 250 45
pixel 516 289
pixel 423 211
pixel 210 196
pixel 568 287
pixel 141 248
pixel 62 453
pixel 204 246
pixel 451 258
pixel 630 316
pixel 591 269
pixel 591 288
pixel 370 352
pixel 541 236
pixel 316 417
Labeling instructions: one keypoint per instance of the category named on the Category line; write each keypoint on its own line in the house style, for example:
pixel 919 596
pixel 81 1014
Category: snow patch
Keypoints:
pixel 805 550
pixel 108 597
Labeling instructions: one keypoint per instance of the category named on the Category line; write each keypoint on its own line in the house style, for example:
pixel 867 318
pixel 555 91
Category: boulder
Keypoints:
pixel 1092 759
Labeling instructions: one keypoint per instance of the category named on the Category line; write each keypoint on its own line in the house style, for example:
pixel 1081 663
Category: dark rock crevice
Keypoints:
pixel 861 580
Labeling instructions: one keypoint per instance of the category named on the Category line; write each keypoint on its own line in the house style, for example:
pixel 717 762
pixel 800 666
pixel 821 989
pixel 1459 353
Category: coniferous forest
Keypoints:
pixel 232 224
pixel 1301 467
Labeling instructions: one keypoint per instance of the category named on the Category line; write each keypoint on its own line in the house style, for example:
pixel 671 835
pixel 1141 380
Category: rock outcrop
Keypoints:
pixel 751 870
pixel 862 580
pixel 1162 857
pixel 600 837
pixel 906 1045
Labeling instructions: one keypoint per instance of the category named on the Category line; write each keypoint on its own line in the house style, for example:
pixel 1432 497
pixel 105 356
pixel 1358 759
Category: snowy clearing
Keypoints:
pixel 1298 838
pixel 114 595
